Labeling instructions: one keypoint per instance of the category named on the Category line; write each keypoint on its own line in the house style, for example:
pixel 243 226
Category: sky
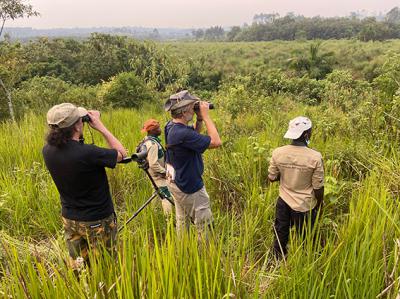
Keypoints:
pixel 182 13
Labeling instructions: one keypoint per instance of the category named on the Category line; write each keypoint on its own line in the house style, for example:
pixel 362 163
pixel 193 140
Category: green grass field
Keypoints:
pixel 233 58
pixel 355 255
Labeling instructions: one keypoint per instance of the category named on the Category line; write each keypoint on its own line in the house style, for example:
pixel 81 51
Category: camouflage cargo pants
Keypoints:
pixel 83 237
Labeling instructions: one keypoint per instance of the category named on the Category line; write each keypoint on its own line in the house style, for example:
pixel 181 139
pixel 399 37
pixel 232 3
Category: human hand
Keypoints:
pixel 95 121
pixel 202 112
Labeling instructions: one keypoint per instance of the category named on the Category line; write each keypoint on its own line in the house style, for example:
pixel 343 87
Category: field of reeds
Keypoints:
pixel 355 253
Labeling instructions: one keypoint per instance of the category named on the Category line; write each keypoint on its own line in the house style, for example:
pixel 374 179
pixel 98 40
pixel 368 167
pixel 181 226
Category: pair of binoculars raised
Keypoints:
pixel 86 118
pixel 197 106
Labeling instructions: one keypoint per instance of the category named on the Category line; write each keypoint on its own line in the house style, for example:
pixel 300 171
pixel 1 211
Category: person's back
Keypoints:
pixel 80 177
pixel 78 172
pixel 185 147
pixel 156 158
pixel 301 172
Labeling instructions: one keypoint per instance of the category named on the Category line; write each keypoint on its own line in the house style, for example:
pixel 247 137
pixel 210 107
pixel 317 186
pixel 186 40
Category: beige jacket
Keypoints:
pixel 301 171
pixel 156 165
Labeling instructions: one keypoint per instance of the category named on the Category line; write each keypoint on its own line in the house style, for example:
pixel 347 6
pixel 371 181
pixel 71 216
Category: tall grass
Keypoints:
pixel 354 253
pixel 232 58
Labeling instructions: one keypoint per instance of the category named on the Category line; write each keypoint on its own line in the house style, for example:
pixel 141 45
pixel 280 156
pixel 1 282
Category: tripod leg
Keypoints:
pixel 170 200
pixel 158 189
pixel 139 210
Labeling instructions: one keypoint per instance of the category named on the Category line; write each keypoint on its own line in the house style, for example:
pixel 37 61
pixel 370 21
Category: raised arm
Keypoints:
pixel 211 129
pixel 111 140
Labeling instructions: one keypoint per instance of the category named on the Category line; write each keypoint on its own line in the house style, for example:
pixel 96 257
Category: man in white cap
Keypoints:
pixel 301 174
pixel 185 146
pixel 78 171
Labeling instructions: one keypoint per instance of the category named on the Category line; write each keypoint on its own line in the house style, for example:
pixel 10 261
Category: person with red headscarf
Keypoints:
pixel 156 159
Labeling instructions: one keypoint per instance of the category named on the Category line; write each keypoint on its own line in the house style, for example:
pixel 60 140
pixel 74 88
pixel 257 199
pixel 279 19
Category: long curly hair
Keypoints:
pixel 59 137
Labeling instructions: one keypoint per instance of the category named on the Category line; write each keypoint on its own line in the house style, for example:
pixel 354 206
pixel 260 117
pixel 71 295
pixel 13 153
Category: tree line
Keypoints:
pixel 267 27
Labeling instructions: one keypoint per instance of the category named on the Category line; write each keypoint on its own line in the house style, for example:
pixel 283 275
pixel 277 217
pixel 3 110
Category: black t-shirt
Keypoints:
pixel 78 172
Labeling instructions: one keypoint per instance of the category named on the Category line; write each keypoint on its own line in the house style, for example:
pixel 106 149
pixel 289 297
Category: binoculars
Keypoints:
pixel 86 118
pixel 197 106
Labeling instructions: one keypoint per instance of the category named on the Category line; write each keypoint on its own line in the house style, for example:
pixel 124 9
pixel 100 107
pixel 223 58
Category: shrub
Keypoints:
pixel 388 82
pixel 344 92
pixel 39 93
pixel 156 66
pixel 202 77
pixel 125 90
pixel 85 96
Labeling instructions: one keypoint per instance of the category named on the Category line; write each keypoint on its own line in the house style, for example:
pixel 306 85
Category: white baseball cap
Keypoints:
pixel 297 126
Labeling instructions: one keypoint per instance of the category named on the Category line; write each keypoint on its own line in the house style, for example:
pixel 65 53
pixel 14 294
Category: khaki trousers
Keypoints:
pixel 193 208
pixel 167 207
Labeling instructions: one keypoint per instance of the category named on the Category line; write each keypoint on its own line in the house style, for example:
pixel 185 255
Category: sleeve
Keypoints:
pixel 273 170
pixel 196 142
pixel 318 175
pixel 103 157
pixel 152 157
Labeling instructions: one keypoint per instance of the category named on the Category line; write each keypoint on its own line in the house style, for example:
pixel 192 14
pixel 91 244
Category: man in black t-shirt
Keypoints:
pixel 78 171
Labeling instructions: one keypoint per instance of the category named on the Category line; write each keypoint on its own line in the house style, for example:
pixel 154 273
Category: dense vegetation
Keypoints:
pixel 44 71
pixel 271 26
pixel 351 91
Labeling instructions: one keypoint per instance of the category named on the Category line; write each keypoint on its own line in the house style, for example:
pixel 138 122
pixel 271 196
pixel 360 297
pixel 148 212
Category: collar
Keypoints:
pixel 179 124
pixel 299 143
pixel 179 121
pixel 154 137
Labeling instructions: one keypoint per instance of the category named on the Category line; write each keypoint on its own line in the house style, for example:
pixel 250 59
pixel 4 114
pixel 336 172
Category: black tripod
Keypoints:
pixel 140 158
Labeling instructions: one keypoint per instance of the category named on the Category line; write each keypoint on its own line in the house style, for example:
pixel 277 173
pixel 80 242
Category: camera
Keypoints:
pixel 86 118
pixel 140 156
pixel 197 106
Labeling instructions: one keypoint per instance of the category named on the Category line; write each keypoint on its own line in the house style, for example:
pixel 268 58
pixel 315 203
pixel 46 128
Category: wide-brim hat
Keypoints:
pixel 65 115
pixel 297 126
pixel 179 100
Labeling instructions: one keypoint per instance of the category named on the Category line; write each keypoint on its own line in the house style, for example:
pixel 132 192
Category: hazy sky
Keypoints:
pixel 183 13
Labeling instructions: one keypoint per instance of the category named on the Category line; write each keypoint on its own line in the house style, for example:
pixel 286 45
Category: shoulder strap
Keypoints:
pixel 155 140
pixel 166 132
pixel 141 144
pixel 169 153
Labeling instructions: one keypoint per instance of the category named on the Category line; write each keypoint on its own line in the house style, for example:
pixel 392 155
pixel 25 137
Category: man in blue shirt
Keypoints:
pixel 185 146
